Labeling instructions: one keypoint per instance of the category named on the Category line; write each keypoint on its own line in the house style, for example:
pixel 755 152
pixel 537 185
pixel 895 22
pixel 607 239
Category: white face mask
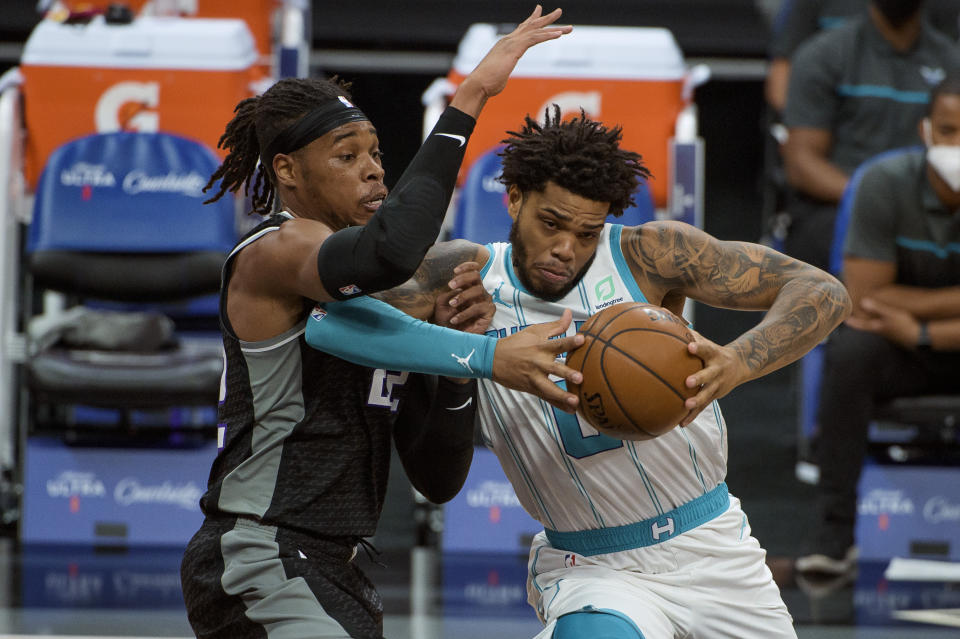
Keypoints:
pixel 944 158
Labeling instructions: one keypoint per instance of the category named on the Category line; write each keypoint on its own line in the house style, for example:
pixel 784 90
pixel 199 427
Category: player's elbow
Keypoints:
pixel 441 494
pixel 441 480
pixel 830 296
pixel 795 167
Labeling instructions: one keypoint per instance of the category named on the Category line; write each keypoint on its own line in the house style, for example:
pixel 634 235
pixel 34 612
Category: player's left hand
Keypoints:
pixel 896 324
pixel 723 370
pixel 489 77
pixel 466 306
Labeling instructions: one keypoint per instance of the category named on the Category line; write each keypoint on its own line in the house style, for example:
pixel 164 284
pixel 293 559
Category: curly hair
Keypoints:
pixel 580 155
pixel 256 122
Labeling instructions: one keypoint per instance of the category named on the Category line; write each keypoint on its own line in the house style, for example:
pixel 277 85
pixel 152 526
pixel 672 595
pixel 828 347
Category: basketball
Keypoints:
pixel 634 361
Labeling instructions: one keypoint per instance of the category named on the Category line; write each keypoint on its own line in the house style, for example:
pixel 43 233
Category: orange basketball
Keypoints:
pixel 634 361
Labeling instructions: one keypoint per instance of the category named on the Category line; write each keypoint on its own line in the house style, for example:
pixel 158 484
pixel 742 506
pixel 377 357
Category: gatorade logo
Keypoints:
pixel 573 101
pixel 128 106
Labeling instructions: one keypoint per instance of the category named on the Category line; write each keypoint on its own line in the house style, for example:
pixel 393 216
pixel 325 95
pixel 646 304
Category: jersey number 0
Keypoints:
pixel 581 440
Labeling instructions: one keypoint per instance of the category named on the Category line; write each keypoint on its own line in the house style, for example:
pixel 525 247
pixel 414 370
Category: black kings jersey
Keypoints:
pixel 304 437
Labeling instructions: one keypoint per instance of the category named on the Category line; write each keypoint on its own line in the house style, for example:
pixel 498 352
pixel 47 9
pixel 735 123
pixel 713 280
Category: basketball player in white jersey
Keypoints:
pixel 641 540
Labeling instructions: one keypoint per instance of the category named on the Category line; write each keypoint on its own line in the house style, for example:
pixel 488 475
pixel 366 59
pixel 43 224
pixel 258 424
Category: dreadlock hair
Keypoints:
pixel 580 155
pixel 256 122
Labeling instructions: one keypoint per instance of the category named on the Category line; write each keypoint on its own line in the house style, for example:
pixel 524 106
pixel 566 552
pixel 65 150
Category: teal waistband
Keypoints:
pixel 644 533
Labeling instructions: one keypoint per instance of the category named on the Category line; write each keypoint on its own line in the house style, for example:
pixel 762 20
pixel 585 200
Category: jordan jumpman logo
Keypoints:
pixel 464 361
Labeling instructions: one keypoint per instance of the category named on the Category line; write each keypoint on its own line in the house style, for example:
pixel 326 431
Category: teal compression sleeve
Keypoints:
pixel 372 333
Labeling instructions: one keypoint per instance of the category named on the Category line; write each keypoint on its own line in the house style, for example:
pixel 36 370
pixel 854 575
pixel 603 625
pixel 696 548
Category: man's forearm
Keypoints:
pixel 944 334
pixel 806 158
pixel 417 295
pixel 805 311
pixel 817 177
pixel 434 435
pixel 922 303
pixel 371 333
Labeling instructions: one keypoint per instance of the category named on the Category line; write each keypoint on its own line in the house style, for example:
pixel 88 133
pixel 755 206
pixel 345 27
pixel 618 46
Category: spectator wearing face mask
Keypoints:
pixel 854 92
pixel 901 265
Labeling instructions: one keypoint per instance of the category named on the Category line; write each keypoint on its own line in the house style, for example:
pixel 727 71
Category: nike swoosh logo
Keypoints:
pixel 463 405
pixel 459 138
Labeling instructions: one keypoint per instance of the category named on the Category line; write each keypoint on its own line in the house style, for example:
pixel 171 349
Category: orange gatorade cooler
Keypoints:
pixel 632 76
pixel 179 75
pixel 258 14
pixel 81 6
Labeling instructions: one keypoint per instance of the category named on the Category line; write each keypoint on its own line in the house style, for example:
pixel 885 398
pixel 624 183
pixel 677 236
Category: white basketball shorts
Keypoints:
pixel 707 583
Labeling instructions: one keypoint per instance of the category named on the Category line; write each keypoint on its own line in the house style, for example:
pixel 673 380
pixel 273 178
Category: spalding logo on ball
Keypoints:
pixel 635 363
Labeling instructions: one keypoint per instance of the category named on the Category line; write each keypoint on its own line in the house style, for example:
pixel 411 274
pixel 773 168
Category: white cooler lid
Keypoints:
pixel 630 53
pixel 215 44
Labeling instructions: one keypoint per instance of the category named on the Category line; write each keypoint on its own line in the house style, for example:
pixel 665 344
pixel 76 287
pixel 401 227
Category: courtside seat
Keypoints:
pixel 118 219
pixel 481 211
pixel 188 374
pixel 929 420
pixel 934 410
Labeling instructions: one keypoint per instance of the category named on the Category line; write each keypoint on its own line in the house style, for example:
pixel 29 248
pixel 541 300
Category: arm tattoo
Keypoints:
pixel 803 303
pixel 806 309
pixel 417 295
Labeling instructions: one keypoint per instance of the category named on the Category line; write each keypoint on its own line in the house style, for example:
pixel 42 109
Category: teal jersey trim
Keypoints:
pixel 622 268
pixel 517 300
pixel 517 286
pixel 491 255
pixel 943 252
pixel 718 417
pixel 508 266
pixel 831 22
pixel 693 457
pixel 644 533
pixel 555 593
pixel 654 500
pixel 533 569
pixel 886 93
pixel 584 297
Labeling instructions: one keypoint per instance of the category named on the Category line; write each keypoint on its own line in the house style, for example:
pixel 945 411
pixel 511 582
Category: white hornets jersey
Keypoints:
pixel 566 474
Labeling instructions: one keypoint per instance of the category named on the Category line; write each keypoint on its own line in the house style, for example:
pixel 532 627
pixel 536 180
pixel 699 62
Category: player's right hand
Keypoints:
pixel 525 360
pixel 490 76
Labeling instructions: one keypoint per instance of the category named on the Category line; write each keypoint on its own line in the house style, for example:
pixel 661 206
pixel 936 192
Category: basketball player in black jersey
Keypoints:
pixel 304 438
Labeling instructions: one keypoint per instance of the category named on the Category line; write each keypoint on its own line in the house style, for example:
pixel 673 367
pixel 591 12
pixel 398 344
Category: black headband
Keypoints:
pixel 310 127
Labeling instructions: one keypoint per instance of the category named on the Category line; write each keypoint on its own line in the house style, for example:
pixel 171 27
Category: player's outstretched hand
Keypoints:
pixel 722 371
pixel 490 76
pixel 525 360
